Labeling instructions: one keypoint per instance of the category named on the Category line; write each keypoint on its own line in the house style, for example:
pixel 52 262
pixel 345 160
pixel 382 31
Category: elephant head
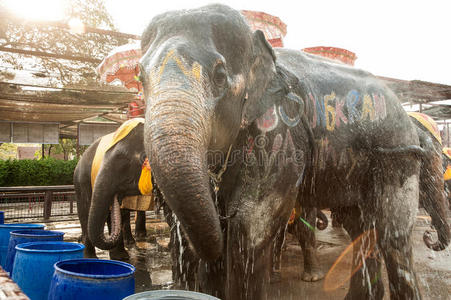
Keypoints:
pixel 203 71
pixel 121 172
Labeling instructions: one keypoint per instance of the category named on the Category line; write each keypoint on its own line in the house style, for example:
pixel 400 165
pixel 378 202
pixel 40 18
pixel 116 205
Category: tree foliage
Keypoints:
pixel 68 147
pixel 8 151
pixel 45 37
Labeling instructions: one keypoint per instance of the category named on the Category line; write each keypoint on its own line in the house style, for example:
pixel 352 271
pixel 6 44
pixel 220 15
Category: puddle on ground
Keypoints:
pixel 152 260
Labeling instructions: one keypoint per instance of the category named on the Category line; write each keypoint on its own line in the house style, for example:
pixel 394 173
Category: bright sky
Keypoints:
pixel 394 38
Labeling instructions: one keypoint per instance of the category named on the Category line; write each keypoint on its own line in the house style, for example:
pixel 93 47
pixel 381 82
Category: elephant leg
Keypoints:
pixel 126 228
pixel 306 237
pixel 140 224
pixel 366 278
pixel 118 252
pixel 83 204
pixel 394 238
pixel 277 255
pixel 89 251
pixel 250 278
pixel 184 261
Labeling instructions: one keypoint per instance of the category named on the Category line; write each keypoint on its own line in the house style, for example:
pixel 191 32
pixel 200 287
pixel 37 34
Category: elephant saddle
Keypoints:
pixel 141 202
pixel 138 202
pixel 427 123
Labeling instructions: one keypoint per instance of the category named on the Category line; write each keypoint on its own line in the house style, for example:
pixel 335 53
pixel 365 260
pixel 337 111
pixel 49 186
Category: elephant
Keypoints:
pixel 432 197
pixel 236 132
pixel 118 174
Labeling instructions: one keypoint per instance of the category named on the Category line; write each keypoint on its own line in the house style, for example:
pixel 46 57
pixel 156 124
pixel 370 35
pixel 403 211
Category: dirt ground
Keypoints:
pixel 153 264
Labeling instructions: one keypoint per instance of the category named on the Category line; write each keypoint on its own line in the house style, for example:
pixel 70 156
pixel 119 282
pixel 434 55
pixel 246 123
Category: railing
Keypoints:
pixel 37 202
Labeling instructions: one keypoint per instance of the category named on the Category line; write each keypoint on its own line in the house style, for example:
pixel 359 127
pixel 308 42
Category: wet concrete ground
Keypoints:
pixel 153 264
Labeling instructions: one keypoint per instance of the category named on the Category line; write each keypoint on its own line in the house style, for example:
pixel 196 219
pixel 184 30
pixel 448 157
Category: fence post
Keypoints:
pixel 71 207
pixel 47 204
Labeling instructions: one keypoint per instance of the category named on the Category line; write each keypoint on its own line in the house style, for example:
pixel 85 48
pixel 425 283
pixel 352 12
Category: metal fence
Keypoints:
pixel 38 202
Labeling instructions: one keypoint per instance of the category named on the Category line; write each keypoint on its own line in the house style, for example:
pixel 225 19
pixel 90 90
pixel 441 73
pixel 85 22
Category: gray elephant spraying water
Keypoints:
pixel 268 127
pixel 109 170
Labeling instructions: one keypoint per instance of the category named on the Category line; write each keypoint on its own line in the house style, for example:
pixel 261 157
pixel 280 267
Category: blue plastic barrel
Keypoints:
pixel 2 217
pixel 170 295
pixel 5 229
pixel 33 265
pixel 27 236
pixel 88 279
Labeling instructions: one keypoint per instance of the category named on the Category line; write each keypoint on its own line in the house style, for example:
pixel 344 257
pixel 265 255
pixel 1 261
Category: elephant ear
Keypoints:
pixel 269 83
pixel 260 78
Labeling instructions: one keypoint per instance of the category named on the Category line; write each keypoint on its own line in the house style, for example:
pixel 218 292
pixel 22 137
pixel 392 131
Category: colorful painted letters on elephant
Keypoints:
pixel 330 111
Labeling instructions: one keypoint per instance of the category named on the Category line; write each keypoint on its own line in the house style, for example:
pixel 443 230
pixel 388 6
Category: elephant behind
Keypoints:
pixel 109 170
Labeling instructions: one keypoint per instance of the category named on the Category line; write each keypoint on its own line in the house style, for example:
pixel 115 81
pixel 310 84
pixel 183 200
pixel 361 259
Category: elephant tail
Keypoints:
pixel 321 222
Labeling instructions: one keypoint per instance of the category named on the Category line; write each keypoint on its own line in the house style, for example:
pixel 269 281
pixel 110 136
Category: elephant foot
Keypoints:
pixel 119 255
pixel 313 275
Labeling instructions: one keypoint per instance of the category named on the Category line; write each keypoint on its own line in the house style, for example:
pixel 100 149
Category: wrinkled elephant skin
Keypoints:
pixel 270 126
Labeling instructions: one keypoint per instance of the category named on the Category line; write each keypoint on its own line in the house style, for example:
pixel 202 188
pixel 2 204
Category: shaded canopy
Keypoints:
pixel 68 106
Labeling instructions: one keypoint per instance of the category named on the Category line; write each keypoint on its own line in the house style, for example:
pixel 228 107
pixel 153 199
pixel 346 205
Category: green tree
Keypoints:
pixel 45 37
pixel 8 151
pixel 66 146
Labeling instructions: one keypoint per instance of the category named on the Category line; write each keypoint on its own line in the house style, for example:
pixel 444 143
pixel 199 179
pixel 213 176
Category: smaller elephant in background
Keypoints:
pixel 436 169
pixel 112 168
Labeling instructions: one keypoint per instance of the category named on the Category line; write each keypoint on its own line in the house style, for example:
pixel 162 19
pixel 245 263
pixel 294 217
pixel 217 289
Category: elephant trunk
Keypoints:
pixel 176 136
pixel 98 215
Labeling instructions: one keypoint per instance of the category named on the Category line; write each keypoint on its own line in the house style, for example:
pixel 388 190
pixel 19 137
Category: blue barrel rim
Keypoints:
pixel 33 233
pixel 22 225
pixel 130 267
pixel 159 293
pixel 23 247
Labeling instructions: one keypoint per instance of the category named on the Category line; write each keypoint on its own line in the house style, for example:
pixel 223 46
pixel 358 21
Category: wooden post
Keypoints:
pixel 71 203
pixel 48 204
pixel 78 141
pixel 447 134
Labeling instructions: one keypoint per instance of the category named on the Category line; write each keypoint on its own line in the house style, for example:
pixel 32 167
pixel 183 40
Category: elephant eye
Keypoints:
pixel 220 75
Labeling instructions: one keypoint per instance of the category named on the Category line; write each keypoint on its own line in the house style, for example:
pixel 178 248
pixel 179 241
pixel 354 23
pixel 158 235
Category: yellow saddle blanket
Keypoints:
pixel 108 141
pixel 141 202
pixel 447 175
pixel 428 123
